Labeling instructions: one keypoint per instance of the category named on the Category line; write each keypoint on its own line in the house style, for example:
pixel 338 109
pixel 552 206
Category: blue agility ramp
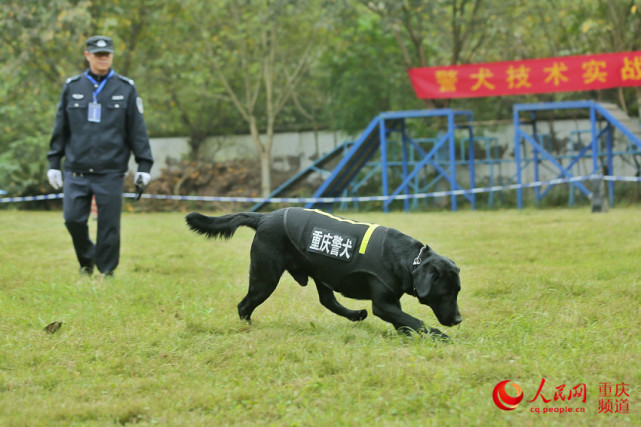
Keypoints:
pixel 354 160
pixel 319 166
pixel 389 130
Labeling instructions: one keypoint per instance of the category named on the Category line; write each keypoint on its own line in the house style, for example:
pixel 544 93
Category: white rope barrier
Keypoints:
pixel 346 199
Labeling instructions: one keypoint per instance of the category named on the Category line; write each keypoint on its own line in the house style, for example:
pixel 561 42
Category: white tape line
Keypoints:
pixel 346 199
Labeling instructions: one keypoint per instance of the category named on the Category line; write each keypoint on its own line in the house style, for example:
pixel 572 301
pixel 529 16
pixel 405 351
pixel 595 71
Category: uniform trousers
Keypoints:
pixel 79 188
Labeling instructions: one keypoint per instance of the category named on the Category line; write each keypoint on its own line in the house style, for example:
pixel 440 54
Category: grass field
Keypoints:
pixel 552 294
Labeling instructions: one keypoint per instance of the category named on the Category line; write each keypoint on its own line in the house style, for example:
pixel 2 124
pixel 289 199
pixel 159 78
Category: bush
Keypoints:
pixel 23 168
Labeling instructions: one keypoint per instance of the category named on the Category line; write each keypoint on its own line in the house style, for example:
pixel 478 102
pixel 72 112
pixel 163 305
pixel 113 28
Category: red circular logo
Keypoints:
pixel 504 400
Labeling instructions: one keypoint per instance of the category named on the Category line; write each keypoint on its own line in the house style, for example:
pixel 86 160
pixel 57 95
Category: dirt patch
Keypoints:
pixel 235 178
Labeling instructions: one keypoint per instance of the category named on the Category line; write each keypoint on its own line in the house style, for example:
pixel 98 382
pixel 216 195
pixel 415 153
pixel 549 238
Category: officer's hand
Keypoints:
pixel 55 178
pixel 142 178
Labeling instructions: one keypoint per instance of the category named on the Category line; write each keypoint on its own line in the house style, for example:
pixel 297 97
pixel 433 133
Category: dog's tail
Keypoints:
pixel 222 226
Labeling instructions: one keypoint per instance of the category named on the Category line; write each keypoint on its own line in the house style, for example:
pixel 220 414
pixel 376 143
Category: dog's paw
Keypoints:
pixel 437 335
pixel 407 331
pixel 246 320
pixel 358 315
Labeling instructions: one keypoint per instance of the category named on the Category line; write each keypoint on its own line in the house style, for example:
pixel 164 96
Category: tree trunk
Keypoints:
pixel 264 151
pixel 265 173
pixel 637 91
pixel 266 163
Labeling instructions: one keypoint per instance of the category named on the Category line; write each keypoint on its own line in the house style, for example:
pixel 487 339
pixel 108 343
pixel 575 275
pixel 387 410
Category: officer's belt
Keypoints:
pixel 86 173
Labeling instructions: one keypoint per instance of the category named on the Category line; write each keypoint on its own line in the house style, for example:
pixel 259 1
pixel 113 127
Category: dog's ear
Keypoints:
pixel 424 276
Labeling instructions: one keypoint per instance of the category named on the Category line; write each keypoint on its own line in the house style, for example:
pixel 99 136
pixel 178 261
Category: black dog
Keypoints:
pixel 359 260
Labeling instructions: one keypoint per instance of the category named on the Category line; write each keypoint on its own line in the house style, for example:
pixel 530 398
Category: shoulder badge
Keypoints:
pixel 139 105
pixel 71 79
pixel 126 79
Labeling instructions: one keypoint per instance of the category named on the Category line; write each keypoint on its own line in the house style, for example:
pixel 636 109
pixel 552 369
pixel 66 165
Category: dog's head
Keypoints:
pixel 437 284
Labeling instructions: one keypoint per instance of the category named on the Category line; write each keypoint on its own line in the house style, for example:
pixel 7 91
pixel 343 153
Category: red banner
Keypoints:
pixel 560 74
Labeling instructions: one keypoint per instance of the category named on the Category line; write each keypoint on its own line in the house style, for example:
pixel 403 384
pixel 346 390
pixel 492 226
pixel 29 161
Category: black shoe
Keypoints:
pixel 86 270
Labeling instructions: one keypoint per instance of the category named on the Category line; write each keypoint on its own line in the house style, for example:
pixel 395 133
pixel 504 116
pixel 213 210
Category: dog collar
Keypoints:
pixel 417 261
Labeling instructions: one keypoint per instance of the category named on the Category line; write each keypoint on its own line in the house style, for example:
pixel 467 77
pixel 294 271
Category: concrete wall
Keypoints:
pixel 291 151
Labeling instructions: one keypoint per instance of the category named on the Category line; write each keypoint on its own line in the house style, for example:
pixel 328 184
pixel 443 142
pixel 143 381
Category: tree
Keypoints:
pixel 258 53
pixel 34 36
pixel 361 72
pixel 186 98
pixel 430 33
pixel 621 33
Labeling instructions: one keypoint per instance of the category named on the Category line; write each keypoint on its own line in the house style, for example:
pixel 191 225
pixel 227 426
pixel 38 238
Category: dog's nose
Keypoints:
pixel 458 319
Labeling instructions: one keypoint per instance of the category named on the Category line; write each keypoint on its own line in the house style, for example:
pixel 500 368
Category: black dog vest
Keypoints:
pixel 336 247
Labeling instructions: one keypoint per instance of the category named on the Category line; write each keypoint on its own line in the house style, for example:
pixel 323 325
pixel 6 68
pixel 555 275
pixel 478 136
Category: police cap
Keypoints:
pixel 97 44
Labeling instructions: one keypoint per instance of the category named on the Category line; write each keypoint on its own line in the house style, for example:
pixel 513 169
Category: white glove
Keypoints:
pixel 55 178
pixel 145 178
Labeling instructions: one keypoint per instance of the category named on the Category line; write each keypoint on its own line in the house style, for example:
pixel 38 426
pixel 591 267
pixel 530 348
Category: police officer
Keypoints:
pixel 99 123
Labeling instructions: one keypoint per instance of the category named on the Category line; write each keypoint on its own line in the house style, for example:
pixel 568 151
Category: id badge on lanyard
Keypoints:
pixel 94 112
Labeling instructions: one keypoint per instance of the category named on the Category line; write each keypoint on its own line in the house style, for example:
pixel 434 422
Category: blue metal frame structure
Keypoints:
pixel 316 167
pixel 597 113
pixel 379 135
pixel 351 163
pixel 404 156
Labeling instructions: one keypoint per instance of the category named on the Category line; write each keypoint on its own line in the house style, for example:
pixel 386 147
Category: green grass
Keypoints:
pixel 552 294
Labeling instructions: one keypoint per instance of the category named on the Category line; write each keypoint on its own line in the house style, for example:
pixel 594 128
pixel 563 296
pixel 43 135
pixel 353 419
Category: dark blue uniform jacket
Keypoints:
pixel 103 147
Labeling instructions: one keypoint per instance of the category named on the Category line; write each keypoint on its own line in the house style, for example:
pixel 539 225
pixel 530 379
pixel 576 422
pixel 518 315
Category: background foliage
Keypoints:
pixel 250 66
